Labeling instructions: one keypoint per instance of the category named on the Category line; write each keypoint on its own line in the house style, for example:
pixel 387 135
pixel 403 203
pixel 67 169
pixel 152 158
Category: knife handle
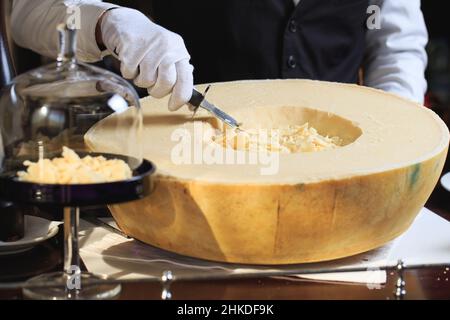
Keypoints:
pixel 197 98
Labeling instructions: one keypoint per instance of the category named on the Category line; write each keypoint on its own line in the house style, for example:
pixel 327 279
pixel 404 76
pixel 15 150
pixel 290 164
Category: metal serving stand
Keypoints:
pixel 167 278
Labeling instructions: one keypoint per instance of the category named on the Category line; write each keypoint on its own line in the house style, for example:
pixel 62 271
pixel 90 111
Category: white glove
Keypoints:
pixel 155 58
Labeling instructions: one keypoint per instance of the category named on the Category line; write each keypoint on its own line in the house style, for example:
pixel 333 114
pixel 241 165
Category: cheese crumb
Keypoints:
pixel 291 139
pixel 71 169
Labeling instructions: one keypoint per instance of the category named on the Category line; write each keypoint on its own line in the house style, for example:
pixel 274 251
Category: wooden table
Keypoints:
pixel 432 283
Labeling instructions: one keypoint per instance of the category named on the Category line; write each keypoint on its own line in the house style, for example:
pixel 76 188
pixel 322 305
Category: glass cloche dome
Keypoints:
pixel 46 116
pixel 54 106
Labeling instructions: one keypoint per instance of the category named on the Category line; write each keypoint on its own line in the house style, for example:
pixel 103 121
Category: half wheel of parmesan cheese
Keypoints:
pixel 369 161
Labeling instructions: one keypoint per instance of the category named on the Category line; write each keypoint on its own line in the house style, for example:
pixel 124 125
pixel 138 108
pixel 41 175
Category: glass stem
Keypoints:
pixel 67 45
pixel 71 250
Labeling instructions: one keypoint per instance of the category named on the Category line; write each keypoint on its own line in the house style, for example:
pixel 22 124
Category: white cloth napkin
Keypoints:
pixel 108 253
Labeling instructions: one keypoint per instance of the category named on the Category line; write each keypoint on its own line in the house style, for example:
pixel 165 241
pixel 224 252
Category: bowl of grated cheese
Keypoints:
pixel 72 169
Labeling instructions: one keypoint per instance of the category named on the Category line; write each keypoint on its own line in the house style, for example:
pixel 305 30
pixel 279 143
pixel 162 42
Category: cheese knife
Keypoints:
pixel 198 100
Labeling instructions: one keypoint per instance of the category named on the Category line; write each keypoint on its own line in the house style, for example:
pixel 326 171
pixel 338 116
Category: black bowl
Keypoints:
pixel 79 195
pixel 12 225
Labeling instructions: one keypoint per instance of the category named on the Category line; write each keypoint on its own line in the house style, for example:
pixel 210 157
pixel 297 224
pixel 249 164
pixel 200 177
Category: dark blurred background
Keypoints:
pixel 438 71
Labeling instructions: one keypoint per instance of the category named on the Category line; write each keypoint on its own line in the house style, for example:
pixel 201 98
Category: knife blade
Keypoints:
pixel 198 100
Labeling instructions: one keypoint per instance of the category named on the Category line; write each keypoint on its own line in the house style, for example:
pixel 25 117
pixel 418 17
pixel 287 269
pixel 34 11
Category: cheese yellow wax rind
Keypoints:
pixel 319 206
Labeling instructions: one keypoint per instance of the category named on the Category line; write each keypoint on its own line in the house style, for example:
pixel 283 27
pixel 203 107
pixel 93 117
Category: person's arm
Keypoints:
pixel 154 57
pixel 34 25
pixel 395 57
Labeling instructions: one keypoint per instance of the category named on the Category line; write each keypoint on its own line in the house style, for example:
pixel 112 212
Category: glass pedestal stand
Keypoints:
pixel 56 106
pixel 69 283
pixel 72 282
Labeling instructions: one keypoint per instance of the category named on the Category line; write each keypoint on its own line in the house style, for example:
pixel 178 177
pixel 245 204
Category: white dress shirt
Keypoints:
pixel 395 54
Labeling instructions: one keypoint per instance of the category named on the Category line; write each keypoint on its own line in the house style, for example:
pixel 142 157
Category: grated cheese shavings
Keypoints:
pixel 291 139
pixel 71 169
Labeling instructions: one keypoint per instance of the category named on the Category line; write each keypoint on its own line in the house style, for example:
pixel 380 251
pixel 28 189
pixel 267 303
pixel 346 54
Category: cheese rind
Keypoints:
pixel 282 224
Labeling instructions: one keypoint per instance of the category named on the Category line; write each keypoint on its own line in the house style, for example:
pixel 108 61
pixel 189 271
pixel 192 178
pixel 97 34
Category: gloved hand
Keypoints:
pixel 155 58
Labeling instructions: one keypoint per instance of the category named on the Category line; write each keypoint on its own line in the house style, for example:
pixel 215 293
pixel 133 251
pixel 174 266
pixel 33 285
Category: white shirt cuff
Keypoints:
pixel 88 49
